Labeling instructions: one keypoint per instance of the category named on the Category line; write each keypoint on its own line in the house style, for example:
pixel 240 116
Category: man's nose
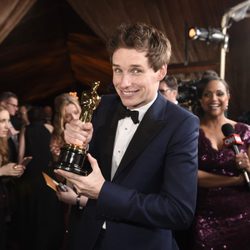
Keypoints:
pixel 125 80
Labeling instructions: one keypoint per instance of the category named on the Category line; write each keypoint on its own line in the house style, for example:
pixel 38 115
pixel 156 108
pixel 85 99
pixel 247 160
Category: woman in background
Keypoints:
pixel 223 207
pixel 66 108
pixel 40 214
pixel 7 170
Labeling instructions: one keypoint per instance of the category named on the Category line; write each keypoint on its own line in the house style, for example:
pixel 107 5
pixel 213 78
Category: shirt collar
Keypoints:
pixel 142 110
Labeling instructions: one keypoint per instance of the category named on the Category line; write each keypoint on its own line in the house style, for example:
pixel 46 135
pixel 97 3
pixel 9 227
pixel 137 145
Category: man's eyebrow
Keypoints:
pixel 136 65
pixel 130 66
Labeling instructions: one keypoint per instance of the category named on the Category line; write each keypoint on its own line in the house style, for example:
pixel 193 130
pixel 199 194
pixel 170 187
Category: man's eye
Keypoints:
pixel 117 71
pixel 136 71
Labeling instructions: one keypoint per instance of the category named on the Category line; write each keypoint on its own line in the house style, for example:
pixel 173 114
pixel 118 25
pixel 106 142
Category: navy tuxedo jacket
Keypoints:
pixel 154 188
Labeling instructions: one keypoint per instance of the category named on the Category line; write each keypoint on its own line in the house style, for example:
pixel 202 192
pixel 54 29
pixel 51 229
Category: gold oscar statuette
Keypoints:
pixel 72 157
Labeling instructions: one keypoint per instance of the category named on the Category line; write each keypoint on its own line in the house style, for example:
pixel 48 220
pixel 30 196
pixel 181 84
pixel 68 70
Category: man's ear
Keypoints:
pixel 162 72
pixel 175 93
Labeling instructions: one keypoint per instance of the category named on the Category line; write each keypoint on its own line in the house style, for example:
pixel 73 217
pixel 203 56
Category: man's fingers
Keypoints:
pixel 93 162
pixel 72 140
pixel 66 174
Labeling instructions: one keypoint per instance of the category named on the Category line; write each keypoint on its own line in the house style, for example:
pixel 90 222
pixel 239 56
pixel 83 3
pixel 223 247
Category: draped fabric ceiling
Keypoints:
pixel 51 46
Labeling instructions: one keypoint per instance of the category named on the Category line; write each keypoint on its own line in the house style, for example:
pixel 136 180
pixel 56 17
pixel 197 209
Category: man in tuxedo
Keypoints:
pixel 144 167
pixel 169 88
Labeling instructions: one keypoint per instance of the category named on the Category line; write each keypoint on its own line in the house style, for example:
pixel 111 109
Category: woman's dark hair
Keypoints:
pixel 202 84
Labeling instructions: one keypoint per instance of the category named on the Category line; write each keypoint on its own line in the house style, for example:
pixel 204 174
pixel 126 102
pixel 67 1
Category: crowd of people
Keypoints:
pixel 32 217
pixel 162 177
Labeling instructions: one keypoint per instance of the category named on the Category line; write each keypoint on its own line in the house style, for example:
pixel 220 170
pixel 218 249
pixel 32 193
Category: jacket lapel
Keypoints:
pixel 151 124
pixel 108 142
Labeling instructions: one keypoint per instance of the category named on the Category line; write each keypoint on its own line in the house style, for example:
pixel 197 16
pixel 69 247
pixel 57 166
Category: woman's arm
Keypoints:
pixel 208 180
pixel 21 149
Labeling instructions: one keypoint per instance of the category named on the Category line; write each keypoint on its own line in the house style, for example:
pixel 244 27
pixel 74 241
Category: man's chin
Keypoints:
pixel 127 104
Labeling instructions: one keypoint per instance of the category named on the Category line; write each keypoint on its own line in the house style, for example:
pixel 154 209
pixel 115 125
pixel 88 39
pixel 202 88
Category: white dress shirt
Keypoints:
pixel 124 133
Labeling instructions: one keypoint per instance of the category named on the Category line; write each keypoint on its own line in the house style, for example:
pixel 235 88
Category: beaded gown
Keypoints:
pixel 223 214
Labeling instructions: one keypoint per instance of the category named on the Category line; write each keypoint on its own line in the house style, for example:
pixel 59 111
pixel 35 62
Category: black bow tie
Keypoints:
pixel 124 112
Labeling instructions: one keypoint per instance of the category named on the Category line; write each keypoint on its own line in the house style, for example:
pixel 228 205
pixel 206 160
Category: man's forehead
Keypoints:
pixel 13 100
pixel 130 59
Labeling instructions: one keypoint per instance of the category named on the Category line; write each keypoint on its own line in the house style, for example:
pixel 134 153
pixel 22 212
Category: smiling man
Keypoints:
pixel 144 178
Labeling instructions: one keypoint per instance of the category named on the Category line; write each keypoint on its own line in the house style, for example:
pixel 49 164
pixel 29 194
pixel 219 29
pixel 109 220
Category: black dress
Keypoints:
pixel 3 207
pixel 40 214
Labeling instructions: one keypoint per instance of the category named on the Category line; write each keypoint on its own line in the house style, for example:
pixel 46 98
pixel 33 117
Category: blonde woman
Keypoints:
pixel 67 108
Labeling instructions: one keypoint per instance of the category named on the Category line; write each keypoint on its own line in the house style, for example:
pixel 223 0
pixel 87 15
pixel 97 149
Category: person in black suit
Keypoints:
pixel 169 88
pixel 40 215
pixel 144 167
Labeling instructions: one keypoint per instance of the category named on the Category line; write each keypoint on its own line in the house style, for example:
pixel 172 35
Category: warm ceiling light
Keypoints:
pixel 208 35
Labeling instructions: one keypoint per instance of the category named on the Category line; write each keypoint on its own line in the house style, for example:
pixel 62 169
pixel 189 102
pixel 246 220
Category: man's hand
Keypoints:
pixel 89 186
pixel 78 133
pixel 69 196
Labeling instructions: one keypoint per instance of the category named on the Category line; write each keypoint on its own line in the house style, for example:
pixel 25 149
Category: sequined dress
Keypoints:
pixel 223 214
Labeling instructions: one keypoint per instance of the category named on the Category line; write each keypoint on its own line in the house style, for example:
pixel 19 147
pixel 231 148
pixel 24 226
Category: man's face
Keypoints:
pixel 12 105
pixel 135 82
pixel 169 94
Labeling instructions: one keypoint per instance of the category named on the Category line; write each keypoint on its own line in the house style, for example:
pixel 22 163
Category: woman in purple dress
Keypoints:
pixel 223 205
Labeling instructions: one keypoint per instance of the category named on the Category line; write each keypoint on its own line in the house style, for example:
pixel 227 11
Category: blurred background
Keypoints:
pixel 52 46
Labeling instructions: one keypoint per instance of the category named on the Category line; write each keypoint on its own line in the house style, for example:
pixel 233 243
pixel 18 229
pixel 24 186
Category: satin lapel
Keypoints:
pixel 149 127
pixel 108 143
